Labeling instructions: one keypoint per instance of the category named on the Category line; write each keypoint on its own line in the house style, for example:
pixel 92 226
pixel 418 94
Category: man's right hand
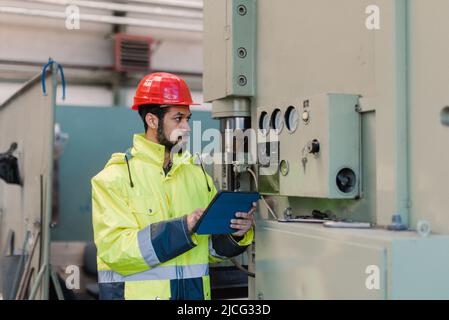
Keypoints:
pixel 193 218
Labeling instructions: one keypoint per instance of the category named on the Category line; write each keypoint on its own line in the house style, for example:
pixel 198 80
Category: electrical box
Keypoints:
pixel 313 145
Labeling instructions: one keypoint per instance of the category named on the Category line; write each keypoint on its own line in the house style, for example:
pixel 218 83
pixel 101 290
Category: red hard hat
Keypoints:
pixel 162 88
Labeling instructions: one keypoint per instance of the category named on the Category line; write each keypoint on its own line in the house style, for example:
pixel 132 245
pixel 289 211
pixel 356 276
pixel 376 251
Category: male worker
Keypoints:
pixel 147 201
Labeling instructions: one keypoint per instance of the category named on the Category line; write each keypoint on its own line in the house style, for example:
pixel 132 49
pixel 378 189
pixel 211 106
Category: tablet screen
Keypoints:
pixel 222 209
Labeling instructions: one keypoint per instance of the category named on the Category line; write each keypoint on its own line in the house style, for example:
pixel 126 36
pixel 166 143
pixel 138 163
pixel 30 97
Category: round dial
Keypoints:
pixel 264 122
pixel 291 118
pixel 276 120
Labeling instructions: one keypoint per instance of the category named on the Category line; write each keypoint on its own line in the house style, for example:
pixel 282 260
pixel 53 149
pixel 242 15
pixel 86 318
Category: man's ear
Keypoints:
pixel 151 120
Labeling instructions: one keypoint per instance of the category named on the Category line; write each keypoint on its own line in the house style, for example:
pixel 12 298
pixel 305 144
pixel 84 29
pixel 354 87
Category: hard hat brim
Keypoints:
pixel 136 106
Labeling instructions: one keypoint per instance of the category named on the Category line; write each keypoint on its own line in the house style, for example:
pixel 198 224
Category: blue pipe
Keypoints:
pixel 61 71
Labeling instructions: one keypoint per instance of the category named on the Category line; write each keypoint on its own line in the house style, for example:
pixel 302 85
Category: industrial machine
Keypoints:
pixel 348 100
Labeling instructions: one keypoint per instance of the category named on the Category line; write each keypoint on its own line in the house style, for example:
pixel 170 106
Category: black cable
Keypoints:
pixel 129 172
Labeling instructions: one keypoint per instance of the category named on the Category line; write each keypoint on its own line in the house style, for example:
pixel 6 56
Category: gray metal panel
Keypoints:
pixel 27 118
pixel 308 261
pixel 215 52
pixel 300 262
pixel 429 151
pixel 329 49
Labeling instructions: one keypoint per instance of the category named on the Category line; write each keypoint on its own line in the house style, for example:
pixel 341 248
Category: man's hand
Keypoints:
pixel 193 218
pixel 245 222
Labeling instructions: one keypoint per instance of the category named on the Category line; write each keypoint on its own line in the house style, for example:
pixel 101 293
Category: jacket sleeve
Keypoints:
pixel 124 247
pixel 223 247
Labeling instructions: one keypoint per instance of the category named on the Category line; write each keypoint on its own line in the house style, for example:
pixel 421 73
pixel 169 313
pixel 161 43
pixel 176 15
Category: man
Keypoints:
pixel 147 201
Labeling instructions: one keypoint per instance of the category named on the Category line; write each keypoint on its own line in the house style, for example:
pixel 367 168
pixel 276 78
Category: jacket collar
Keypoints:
pixel 154 153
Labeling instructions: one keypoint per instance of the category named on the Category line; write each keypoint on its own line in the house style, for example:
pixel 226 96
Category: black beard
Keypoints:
pixel 178 146
pixel 163 140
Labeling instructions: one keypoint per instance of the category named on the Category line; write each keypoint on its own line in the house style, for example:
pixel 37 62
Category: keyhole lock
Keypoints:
pixel 313 146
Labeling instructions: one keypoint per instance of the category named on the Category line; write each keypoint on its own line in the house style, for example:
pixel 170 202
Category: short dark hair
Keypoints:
pixel 153 109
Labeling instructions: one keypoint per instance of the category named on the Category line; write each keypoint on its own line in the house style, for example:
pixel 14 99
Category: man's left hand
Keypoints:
pixel 245 221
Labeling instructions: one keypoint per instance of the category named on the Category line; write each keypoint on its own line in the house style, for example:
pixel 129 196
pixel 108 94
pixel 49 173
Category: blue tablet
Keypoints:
pixel 222 209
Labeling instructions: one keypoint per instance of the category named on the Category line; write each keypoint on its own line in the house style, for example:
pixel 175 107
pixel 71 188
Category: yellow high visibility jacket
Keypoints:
pixel 144 249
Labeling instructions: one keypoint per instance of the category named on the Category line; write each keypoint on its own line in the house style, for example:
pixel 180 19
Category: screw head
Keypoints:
pixel 241 9
pixel 241 52
pixel 242 81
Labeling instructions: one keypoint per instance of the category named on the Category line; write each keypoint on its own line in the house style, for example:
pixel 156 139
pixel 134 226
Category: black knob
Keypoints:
pixel 346 180
pixel 313 146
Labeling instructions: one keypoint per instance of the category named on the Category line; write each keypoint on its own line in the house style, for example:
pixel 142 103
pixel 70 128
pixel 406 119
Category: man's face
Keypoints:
pixel 176 128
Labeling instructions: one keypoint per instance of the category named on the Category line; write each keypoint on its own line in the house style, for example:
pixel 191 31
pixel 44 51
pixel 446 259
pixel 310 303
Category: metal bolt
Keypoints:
pixel 241 9
pixel 242 80
pixel 241 52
